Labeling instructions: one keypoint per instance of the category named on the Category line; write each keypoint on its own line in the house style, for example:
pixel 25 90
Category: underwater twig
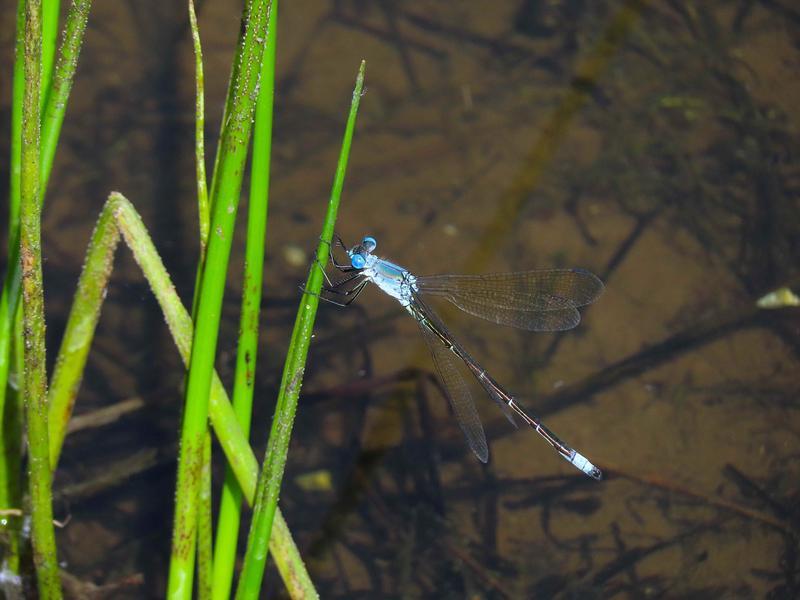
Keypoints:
pixel 694 336
pixel 726 505
pixel 499 47
pixel 115 474
pixel 634 555
pixel 447 548
pixel 383 34
pixel 636 232
pixel 746 484
pixel 356 485
pixel 87 590
pixel 541 153
pixel 357 387
pixel 106 415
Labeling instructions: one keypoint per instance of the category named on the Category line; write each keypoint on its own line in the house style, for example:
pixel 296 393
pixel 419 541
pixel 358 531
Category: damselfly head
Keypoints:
pixel 359 253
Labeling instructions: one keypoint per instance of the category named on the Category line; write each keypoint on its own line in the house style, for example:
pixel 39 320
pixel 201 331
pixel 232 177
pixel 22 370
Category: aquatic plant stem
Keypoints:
pixel 11 478
pixel 79 331
pixel 10 311
pixel 34 390
pixel 247 350
pixel 234 443
pixel 52 120
pixel 10 400
pixel 204 522
pixel 119 217
pixel 61 85
pixel 50 15
pixel 269 481
pixel 203 210
pixel 53 117
pixel 224 202
pixel 205 551
pixel 15 159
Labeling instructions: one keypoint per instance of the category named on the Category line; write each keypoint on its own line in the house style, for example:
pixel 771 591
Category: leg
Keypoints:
pixel 337 240
pixel 341 267
pixel 349 278
pixel 352 293
pixel 332 287
pixel 342 292
pixel 344 268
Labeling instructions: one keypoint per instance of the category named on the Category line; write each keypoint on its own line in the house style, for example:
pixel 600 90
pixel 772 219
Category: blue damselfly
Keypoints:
pixel 542 300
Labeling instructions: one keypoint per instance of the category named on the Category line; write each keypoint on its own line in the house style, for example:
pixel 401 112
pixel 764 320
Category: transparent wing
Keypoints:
pixel 458 393
pixel 426 313
pixel 545 300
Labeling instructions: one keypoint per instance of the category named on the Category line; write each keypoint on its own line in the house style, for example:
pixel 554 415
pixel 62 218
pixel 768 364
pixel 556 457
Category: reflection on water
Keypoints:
pixel 652 143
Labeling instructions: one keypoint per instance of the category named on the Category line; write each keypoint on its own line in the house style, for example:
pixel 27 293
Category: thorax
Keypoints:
pixel 392 279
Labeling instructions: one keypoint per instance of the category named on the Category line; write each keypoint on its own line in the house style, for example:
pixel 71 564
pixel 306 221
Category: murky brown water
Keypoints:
pixel 654 145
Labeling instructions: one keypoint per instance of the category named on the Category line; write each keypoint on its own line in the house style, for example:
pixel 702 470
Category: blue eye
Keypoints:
pixel 358 261
pixel 369 243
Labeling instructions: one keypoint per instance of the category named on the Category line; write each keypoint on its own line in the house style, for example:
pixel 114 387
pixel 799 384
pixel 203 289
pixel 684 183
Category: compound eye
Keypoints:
pixel 369 243
pixel 358 261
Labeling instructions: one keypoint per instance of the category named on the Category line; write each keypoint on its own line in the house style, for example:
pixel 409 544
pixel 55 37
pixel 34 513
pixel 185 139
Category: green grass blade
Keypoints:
pixel 275 460
pixel 51 127
pixel 11 483
pixel 205 527
pixel 63 76
pixel 11 457
pixel 247 351
pixel 50 13
pixel 34 390
pixel 17 94
pixel 53 117
pixel 119 216
pixel 199 133
pixel 224 202
pixel 234 443
pixel 85 311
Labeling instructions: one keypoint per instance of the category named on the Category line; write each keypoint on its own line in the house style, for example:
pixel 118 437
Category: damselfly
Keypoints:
pixel 544 300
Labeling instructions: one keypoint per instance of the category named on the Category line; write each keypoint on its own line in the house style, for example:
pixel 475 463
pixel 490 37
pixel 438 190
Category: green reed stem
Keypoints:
pixel 119 216
pixel 11 483
pixel 269 481
pixel 199 133
pixel 50 13
pixel 79 332
pixel 10 409
pixel 35 381
pixel 205 527
pixel 15 160
pixel 247 351
pixel 61 84
pixel 51 127
pixel 224 202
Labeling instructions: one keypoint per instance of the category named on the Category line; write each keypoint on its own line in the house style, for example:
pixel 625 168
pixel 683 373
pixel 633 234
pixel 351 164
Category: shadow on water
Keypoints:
pixel 653 143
